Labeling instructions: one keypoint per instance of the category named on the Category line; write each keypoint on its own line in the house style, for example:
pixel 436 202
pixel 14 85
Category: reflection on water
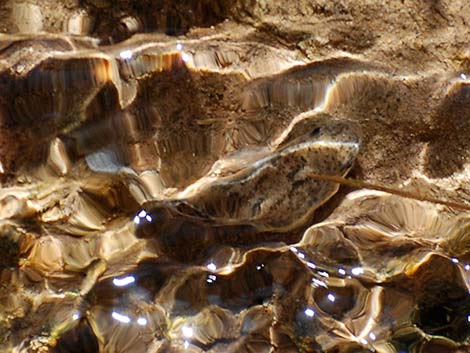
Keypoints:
pixel 142 219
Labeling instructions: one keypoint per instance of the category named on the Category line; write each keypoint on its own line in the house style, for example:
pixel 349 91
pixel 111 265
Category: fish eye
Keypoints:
pixel 315 132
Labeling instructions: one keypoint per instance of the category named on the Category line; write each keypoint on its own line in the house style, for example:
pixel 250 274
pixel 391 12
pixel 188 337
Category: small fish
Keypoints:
pixel 270 188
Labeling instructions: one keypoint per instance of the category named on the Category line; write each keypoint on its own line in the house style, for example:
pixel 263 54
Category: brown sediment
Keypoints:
pixel 180 176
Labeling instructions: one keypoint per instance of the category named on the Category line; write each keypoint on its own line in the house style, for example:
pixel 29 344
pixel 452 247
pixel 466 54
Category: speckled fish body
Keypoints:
pixel 271 188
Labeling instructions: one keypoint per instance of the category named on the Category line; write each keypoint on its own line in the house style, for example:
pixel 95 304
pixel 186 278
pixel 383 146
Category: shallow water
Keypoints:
pixel 157 196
